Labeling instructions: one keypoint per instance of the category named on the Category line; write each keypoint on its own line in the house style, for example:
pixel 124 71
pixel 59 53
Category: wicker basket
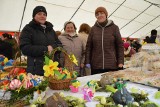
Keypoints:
pixel 18 63
pixel 62 84
pixel 59 84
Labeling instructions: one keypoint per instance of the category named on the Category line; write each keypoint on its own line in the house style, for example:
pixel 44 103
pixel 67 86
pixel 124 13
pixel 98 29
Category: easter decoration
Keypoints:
pixel 121 97
pixel 60 77
pixel 20 88
pixel 4 62
pixel 74 85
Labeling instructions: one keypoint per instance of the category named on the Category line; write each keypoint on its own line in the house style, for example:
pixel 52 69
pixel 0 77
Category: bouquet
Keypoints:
pixel 51 68
pixel 60 77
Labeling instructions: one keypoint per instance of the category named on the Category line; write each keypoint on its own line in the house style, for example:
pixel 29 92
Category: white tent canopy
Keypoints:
pixel 135 18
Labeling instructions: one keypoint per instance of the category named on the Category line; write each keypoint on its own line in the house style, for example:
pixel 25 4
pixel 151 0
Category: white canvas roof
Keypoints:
pixel 135 18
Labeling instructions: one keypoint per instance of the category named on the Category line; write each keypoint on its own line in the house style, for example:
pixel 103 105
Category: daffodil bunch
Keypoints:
pixel 51 69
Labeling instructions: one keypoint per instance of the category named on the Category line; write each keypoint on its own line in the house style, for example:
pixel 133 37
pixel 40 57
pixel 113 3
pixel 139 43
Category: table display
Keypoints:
pixel 150 90
pixel 83 80
pixel 111 88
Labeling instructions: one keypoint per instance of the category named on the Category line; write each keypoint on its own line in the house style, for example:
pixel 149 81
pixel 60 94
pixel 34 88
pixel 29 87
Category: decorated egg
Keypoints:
pixel 15 84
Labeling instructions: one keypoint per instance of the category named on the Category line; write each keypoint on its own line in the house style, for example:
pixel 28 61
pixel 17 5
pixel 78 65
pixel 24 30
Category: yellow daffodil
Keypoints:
pixel 49 69
pixel 5 60
pixel 73 59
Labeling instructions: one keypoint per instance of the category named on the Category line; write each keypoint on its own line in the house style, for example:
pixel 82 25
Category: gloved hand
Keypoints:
pixel 88 65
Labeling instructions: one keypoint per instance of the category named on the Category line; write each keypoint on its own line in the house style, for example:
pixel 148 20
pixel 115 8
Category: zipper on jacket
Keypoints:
pixel 103 46
pixel 102 41
pixel 44 30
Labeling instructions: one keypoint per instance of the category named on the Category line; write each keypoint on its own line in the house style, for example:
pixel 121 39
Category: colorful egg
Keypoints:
pixel 15 84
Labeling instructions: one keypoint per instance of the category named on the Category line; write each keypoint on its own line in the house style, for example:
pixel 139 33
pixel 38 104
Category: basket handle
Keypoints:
pixel 67 61
pixel 16 56
pixel 57 49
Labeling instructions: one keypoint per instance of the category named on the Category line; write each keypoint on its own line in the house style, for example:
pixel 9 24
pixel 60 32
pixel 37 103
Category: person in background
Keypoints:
pixel 5 46
pixel 73 44
pixel 37 38
pixel 58 33
pixel 104 49
pixel 153 36
pixel 137 46
pixel 15 46
pixel 128 51
pixel 147 39
pixel 83 35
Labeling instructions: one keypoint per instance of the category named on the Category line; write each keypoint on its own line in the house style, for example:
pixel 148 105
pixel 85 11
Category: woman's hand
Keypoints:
pixel 120 65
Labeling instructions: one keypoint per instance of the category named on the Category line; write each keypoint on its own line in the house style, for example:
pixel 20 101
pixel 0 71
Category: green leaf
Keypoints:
pixel 64 77
pixel 57 73
pixel 157 95
pixel 46 60
pixel 21 77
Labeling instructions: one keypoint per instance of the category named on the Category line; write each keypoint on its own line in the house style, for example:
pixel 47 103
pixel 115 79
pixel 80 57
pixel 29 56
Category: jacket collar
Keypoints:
pixel 109 23
pixel 69 37
pixel 36 25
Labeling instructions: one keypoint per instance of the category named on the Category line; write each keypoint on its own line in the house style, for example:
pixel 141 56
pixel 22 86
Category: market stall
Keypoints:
pixel 136 79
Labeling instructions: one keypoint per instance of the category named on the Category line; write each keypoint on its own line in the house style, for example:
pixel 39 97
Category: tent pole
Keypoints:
pixel 21 25
pixel 22 16
pixel 117 8
pixel 135 17
pixel 76 11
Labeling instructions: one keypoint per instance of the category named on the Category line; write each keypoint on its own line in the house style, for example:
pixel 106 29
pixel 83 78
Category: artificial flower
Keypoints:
pixel 75 83
pixel 59 76
pixel 67 73
pixel 73 59
pixel 49 69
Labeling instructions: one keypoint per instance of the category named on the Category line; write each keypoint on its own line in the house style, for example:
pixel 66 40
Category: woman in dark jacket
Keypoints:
pixel 36 38
pixel 104 49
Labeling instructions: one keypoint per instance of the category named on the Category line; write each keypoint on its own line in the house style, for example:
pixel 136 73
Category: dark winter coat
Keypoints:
pixel 104 49
pixel 6 49
pixel 34 40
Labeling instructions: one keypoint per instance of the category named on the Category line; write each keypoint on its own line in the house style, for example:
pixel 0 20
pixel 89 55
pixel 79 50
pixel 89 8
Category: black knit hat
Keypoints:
pixel 39 9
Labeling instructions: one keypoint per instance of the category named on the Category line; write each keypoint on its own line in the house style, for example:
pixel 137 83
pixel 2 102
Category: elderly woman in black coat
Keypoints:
pixel 36 38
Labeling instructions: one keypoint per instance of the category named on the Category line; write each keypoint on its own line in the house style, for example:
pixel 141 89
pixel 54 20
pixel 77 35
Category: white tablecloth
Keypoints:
pixel 151 46
pixel 85 79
